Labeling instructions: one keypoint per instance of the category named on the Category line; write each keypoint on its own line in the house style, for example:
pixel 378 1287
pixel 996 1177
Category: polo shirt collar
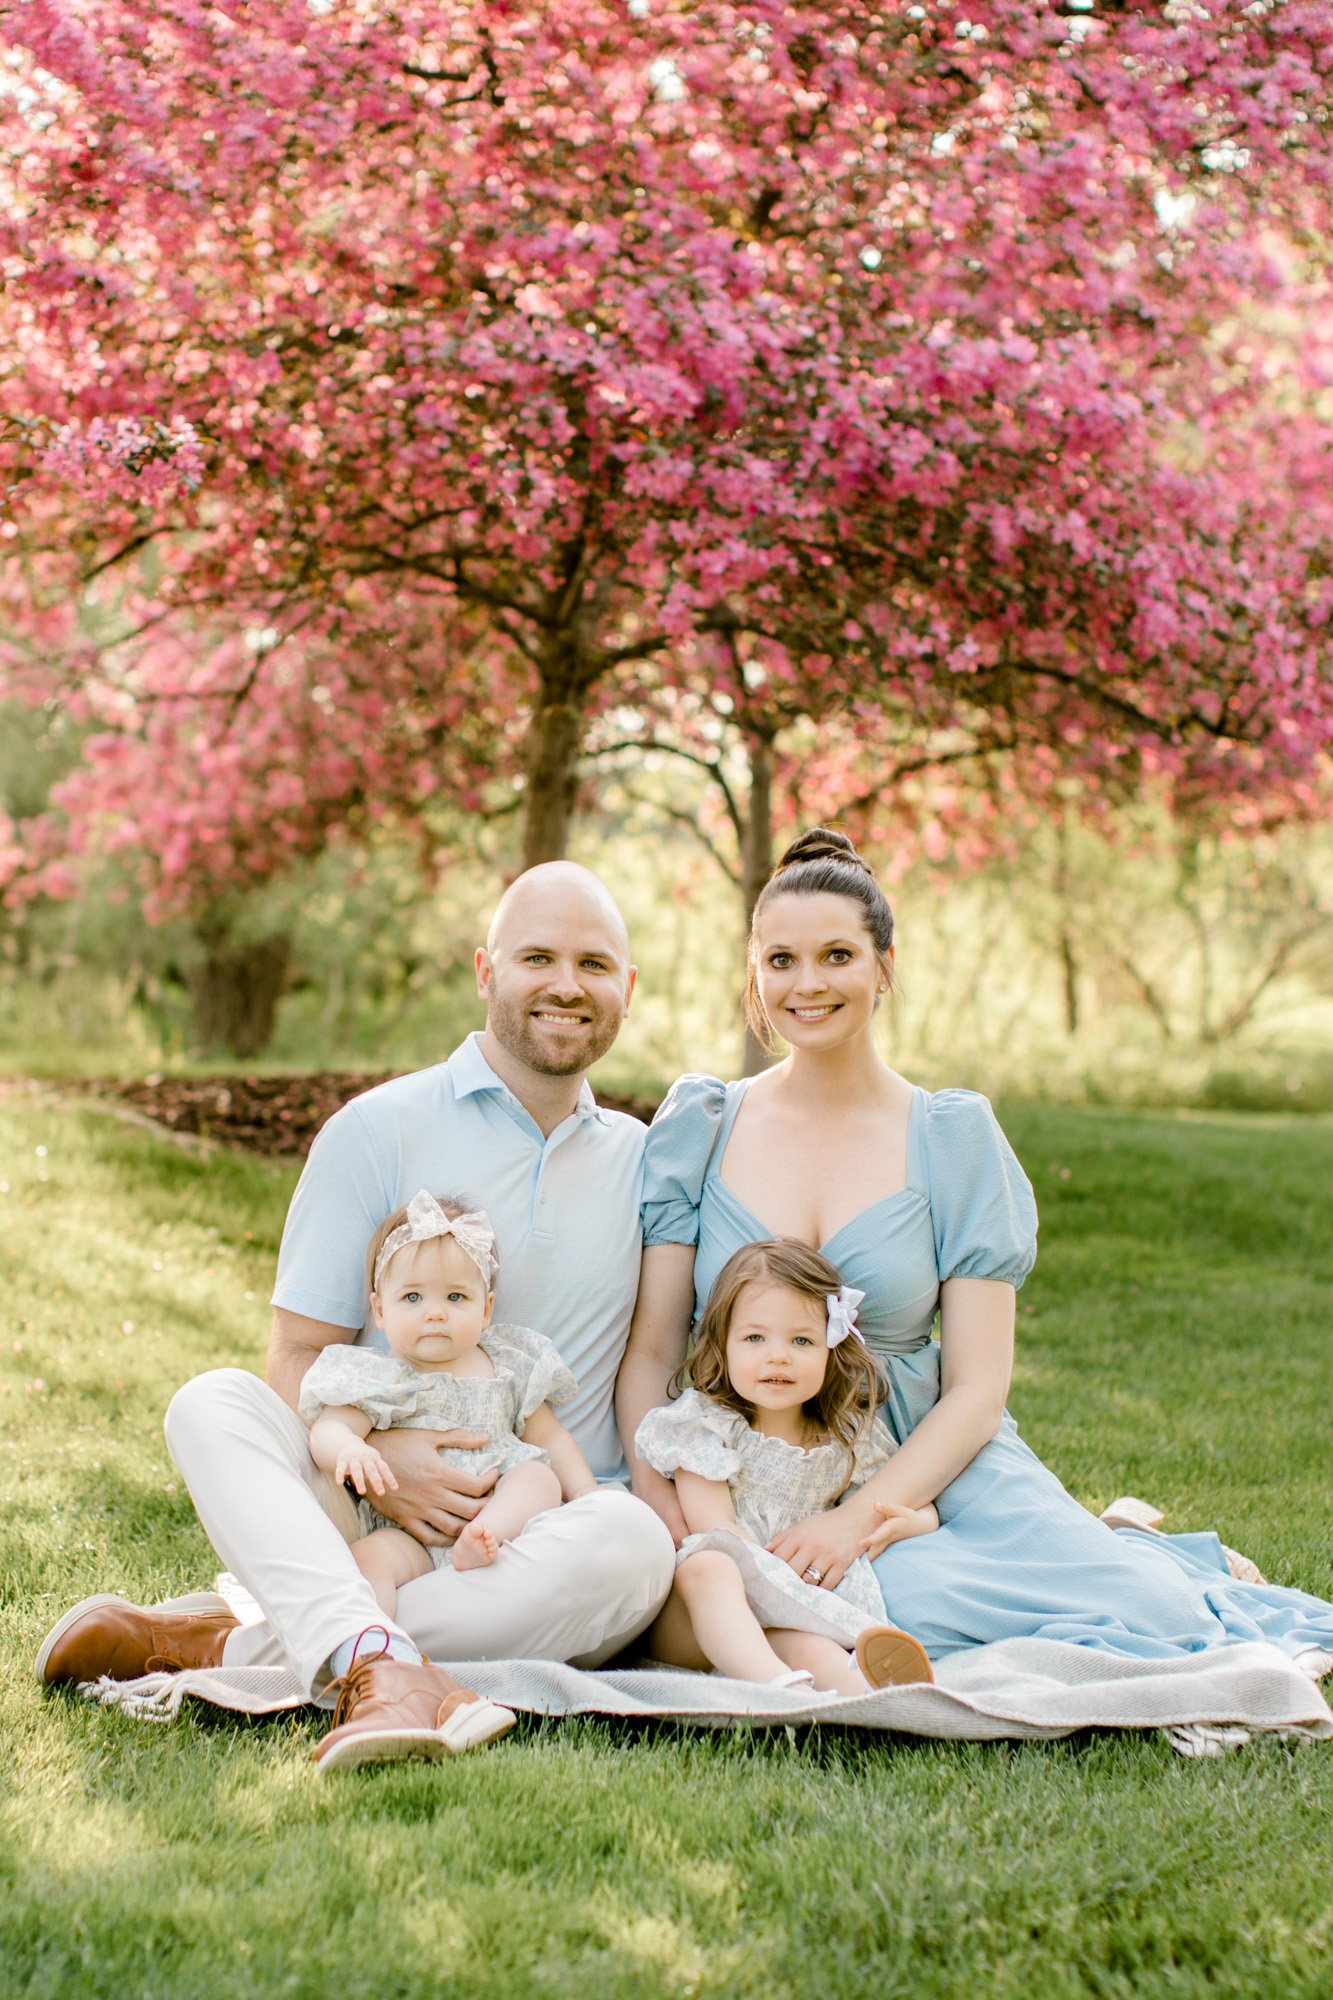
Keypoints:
pixel 470 1073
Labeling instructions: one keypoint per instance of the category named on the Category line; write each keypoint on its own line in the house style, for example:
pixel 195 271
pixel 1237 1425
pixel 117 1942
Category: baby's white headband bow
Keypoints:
pixel 842 1306
pixel 425 1220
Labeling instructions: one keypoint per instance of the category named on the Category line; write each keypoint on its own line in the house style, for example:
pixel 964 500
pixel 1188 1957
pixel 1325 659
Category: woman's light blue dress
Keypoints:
pixel 1015 1556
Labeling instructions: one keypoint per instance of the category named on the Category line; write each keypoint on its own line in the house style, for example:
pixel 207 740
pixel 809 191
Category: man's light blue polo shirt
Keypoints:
pixel 565 1212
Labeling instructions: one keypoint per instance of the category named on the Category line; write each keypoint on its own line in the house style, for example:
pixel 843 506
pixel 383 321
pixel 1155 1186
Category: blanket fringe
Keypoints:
pixel 154 1698
pixel 1215 1739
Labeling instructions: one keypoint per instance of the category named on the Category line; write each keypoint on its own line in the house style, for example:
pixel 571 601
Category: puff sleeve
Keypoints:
pixel 692 1434
pixel 535 1365
pixel 360 1378
pixel 982 1207
pixel 676 1155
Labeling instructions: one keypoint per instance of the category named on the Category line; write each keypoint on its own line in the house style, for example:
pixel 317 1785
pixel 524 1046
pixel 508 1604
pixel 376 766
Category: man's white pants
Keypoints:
pixel 578 1584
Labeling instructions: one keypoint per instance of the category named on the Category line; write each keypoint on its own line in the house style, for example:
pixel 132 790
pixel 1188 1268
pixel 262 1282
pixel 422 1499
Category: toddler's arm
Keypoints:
pixel 338 1445
pixel 706 1503
pixel 570 1467
pixel 899 1524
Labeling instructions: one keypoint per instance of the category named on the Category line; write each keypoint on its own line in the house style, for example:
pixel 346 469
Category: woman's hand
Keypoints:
pixel 432 1499
pixel 359 1461
pixel 828 1543
pixel 898 1524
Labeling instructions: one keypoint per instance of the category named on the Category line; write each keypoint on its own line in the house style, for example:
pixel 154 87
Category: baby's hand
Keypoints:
pixel 899 1524
pixel 359 1461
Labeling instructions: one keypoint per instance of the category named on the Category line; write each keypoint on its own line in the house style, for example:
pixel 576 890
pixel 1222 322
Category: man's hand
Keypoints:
pixel 433 1500
pixel 359 1461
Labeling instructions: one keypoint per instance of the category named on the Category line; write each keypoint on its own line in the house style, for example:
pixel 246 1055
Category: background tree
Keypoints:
pixel 915 355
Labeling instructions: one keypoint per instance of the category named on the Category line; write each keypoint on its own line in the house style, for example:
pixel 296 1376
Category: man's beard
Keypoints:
pixel 517 1033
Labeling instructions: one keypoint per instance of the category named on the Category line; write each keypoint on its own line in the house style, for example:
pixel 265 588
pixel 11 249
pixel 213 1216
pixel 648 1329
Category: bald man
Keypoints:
pixel 510 1124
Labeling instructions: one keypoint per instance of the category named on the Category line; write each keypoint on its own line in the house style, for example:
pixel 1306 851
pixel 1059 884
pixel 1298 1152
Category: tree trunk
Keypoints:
pixel 1068 954
pixel 1190 896
pixel 1069 971
pixel 236 989
pixel 757 864
pixel 567 670
pixel 555 738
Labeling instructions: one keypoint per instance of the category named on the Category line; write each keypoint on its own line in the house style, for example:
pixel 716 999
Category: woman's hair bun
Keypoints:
pixel 822 843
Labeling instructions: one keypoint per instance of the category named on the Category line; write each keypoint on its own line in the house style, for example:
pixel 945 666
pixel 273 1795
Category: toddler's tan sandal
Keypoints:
pixel 890 1658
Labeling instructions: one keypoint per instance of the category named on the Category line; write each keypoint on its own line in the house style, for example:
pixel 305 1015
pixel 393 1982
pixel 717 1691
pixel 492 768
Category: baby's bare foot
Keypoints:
pixel 475 1547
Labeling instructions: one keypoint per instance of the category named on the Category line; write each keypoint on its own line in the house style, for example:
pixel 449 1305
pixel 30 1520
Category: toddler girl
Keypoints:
pixel 780 1423
pixel 429 1268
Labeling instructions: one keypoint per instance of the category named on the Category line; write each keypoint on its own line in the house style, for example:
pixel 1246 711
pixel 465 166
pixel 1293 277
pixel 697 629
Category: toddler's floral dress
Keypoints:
pixel 773 1485
pixel 397 1396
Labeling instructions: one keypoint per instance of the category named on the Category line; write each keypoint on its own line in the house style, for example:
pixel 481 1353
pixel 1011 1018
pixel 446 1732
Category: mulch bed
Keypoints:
pixel 264 1114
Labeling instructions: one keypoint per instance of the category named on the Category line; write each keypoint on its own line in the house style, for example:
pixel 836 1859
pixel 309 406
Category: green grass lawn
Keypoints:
pixel 1174 1342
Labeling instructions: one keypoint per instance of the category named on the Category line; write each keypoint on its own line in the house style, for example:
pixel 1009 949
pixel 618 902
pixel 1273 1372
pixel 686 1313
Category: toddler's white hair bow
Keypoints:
pixel 842 1306
pixel 426 1219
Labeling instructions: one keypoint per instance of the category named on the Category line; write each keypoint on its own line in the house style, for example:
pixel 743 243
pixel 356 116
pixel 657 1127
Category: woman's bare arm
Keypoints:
pixel 656 1348
pixel 976 1365
pixel 976 1362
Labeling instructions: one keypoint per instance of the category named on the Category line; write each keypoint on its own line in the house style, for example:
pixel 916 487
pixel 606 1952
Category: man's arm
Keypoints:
pixel 293 1343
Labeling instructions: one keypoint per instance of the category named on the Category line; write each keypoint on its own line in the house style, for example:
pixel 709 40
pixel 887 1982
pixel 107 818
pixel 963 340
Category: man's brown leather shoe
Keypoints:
pixel 388 1709
pixel 105 1635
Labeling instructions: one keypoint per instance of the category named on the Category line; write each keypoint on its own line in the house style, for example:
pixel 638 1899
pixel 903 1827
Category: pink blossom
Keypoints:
pixel 954 386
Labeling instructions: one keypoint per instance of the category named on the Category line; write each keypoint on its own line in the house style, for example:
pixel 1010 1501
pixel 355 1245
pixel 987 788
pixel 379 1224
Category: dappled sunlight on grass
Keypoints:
pixel 78 1833
pixel 658 1945
pixel 1174 1346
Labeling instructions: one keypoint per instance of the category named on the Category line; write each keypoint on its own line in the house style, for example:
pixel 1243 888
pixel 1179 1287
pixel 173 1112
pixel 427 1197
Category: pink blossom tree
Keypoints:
pixel 411 386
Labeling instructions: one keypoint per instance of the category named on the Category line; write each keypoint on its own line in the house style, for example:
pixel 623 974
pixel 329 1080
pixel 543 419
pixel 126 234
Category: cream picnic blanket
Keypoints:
pixel 1015 1688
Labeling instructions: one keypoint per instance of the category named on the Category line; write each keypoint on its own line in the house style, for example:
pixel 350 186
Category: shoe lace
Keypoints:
pixel 352 1686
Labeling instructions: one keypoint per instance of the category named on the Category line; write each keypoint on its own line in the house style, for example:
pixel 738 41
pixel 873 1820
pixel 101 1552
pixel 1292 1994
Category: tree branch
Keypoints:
pixel 639 649
pixel 690 821
pixel 130 548
pixel 914 764
pixel 714 770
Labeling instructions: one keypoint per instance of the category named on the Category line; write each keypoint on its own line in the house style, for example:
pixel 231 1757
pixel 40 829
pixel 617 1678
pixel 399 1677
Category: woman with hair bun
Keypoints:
pixel 918 1198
